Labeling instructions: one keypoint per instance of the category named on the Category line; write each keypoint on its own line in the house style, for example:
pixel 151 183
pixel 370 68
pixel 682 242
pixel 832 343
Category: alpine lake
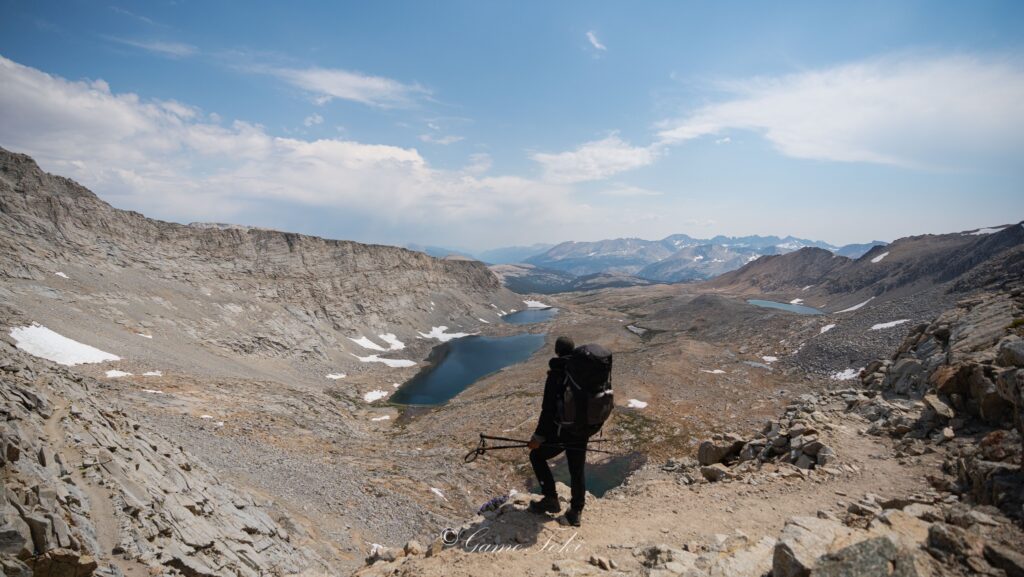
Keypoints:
pixel 459 363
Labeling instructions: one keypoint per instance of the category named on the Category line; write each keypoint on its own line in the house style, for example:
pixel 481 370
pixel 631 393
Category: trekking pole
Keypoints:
pixel 482 447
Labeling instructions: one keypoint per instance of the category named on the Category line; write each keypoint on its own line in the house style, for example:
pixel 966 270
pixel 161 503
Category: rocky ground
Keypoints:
pixel 916 471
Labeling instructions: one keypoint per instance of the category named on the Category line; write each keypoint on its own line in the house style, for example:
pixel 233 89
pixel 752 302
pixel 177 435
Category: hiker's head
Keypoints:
pixel 564 346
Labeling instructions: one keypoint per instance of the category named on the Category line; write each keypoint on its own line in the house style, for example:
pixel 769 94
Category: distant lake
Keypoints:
pixel 459 363
pixel 798 309
pixel 529 316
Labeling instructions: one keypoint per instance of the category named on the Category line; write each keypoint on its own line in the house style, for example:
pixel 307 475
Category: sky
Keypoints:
pixel 478 124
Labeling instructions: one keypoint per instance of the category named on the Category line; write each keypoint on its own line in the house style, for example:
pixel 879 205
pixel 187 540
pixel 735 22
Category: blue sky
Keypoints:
pixel 483 124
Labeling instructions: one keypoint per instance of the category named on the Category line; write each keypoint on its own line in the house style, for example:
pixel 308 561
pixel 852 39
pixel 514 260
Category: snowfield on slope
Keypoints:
pixel 40 341
pixel 857 306
pixel 879 258
pixel 393 363
pixel 826 329
pixel 889 325
pixel 536 305
pixel 440 333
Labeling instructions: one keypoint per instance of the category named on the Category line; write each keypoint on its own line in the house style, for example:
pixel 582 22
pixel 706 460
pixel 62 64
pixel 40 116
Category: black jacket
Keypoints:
pixel 547 424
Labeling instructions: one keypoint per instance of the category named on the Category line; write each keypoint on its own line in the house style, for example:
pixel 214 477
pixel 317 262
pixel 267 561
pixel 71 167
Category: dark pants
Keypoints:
pixel 576 457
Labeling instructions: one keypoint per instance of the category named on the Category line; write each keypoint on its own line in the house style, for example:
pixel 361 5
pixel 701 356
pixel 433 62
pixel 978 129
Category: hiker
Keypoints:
pixel 577 401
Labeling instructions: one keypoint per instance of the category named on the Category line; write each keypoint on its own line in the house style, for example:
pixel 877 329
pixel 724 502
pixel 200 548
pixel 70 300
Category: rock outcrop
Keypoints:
pixel 87 488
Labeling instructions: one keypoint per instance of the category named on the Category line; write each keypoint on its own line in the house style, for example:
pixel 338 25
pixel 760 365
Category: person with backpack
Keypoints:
pixel 577 401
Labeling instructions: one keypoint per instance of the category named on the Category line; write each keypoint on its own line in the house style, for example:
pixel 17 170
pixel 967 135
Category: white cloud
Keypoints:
pixel 313 120
pixel 903 110
pixel 594 160
pixel 168 161
pixel 592 38
pixel 479 163
pixel 326 84
pixel 620 189
pixel 169 49
pixel 723 140
pixel 445 140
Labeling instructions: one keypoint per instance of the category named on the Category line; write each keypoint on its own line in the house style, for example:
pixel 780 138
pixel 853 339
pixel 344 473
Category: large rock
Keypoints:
pixel 802 541
pixel 874 557
pixel 717 451
pixel 1012 562
pixel 1011 352
pixel 63 563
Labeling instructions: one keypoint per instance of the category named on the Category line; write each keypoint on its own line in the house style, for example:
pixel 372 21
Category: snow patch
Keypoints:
pixel 855 307
pixel 483 321
pixel 889 325
pixel 206 417
pixel 114 374
pixel 61 275
pixel 796 301
pixel 713 372
pixel 880 257
pixel 367 344
pixel 636 404
pixel 438 492
pixel 382 418
pixel 806 287
pixel 375 395
pixel 440 333
pixel 393 363
pixel 40 341
pixel 769 359
pixel 536 305
pixel 982 231
pixel 826 329
pixel 152 374
pixel 845 375
pixel 336 376
pixel 144 336
pixel 392 341
pixel 152 391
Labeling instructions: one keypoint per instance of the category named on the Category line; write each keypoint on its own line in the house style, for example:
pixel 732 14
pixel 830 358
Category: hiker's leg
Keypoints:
pixel 539 460
pixel 576 455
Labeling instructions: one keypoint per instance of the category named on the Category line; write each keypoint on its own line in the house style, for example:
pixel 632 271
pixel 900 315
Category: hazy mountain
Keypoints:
pixel 512 254
pixel 678 257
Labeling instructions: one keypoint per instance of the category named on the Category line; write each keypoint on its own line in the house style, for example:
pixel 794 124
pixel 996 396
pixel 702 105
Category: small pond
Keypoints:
pixel 529 316
pixel 798 309
pixel 459 363
pixel 602 476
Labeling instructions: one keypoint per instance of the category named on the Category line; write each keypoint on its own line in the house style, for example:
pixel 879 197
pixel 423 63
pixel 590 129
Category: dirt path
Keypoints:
pixel 101 508
pixel 657 509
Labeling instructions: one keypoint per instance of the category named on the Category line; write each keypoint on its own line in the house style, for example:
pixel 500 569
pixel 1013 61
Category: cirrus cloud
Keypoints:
pixel 903 110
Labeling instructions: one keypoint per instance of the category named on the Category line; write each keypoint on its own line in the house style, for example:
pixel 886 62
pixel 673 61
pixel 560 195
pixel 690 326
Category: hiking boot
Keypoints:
pixel 545 505
pixel 572 517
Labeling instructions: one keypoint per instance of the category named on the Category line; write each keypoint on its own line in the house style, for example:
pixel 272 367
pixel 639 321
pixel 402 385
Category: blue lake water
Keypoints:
pixel 528 316
pixel 798 309
pixel 459 363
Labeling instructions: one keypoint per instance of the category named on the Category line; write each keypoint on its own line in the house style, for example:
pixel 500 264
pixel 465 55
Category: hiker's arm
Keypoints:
pixel 546 426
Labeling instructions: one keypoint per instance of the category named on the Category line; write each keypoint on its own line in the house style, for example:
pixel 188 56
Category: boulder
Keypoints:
pixel 715 473
pixel 878 556
pixel 939 407
pixel 1011 352
pixel 802 541
pixel 15 535
pixel 1010 561
pixel 63 563
pixel 712 451
pixel 413 548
